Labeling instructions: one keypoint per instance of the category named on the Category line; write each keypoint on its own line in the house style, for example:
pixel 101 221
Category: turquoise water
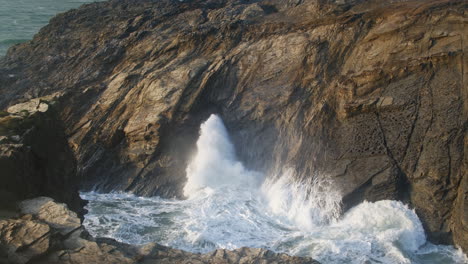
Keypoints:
pixel 21 19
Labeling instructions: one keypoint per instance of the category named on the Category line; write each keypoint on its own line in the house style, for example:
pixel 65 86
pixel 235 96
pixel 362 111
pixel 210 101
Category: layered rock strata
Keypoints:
pixel 369 94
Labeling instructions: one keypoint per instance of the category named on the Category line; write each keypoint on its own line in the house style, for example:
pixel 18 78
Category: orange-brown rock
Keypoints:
pixel 372 94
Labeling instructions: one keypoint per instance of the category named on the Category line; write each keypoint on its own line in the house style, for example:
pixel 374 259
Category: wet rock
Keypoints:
pixel 371 94
pixel 160 254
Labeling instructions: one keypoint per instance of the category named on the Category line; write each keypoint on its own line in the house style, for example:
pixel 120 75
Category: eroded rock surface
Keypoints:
pixel 48 233
pixel 35 158
pixel 371 94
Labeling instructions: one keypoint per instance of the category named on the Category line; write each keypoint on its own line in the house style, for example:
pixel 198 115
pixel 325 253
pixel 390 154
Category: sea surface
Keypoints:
pixel 20 20
pixel 229 207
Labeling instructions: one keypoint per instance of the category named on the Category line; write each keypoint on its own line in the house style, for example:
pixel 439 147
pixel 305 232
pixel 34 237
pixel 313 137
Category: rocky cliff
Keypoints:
pixel 369 94
pixel 35 158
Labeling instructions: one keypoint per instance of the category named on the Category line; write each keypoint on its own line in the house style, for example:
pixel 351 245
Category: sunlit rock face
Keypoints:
pixel 370 95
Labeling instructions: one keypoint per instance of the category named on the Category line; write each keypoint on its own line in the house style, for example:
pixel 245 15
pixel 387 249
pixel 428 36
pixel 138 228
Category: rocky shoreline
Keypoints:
pixel 368 94
pixel 41 230
pixel 47 232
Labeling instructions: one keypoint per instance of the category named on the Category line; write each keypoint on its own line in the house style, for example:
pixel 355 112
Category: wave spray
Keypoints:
pixel 229 206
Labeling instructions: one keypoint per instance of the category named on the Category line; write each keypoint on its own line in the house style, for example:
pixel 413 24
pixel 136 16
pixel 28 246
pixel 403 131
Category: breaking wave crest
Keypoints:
pixel 215 165
pixel 229 206
pixel 307 204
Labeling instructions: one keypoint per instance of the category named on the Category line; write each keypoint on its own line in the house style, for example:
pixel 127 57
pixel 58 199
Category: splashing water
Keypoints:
pixel 307 204
pixel 215 164
pixel 229 207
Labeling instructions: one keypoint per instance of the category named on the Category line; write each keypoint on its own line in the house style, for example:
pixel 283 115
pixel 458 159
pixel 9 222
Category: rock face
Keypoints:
pixel 48 233
pixel 35 158
pixel 371 94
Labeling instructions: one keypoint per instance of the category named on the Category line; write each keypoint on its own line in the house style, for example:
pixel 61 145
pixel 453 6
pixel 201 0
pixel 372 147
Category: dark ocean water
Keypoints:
pixel 21 19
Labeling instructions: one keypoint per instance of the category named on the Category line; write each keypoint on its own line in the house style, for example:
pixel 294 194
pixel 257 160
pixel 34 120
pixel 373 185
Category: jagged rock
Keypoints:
pixel 160 254
pixel 54 214
pixel 369 93
pixel 35 158
pixel 39 237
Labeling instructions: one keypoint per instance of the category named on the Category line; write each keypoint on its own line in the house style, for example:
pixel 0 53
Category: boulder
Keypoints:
pixel 56 215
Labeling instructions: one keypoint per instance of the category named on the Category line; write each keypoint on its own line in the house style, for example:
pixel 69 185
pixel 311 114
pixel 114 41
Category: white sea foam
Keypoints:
pixel 215 164
pixel 228 207
pixel 306 203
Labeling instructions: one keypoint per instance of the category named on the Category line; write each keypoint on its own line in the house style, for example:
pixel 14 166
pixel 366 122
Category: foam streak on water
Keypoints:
pixel 229 206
